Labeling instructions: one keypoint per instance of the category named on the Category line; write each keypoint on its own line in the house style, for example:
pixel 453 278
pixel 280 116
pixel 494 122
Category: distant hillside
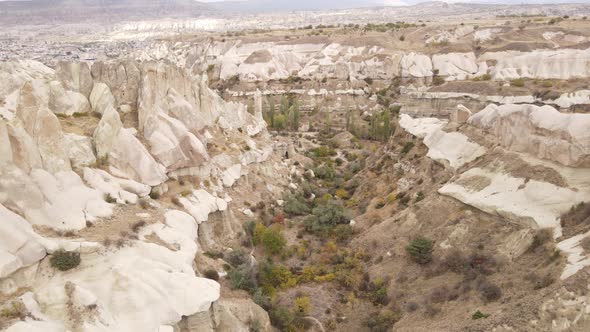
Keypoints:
pixel 289 5
pixel 110 11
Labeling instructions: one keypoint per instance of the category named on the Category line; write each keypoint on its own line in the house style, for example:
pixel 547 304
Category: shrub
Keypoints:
pixel 380 203
pixel 255 326
pixel 541 237
pixel 65 260
pixel 354 167
pixel 382 321
pixel 325 217
pixel 439 294
pixel 272 276
pixel 323 151
pixel 341 193
pixel 237 257
pixel 540 282
pixel 578 214
pixel 489 292
pixel 519 83
pixel 324 172
pixel 110 199
pixel 437 80
pixel 407 147
pixel 16 310
pixel 249 227
pixel 242 278
pixel 154 195
pixel 272 240
pixel 214 254
pixel 412 306
pixel 302 305
pixel 369 80
pixel 295 205
pixel 419 196
pixel 456 261
pixel 402 38
pixel 211 274
pixel 281 318
pixel 343 233
pixel 261 299
pixel 420 250
pixel 478 315
pixel 279 218
pixel 137 226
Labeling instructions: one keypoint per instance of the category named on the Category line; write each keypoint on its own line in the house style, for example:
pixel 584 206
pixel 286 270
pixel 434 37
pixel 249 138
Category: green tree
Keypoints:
pixel 420 250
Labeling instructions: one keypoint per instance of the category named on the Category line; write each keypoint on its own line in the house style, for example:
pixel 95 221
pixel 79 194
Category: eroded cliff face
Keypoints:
pixel 264 61
pixel 122 163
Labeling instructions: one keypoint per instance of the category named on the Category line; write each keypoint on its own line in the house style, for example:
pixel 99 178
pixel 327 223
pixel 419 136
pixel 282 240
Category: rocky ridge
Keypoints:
pixel 83 148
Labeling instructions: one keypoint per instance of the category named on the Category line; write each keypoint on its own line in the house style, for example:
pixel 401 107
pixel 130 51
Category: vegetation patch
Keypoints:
pixel 65 260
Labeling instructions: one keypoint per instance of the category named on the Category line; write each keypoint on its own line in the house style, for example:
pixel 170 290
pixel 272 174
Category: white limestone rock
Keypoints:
pixel 231 175
pixel 42 126
pixel 75 76
pixel 172 144
pixel 566 100
pixel 20 246
pixel 416 65
pixel 453 148
pixel 201 203
pixel 455 66
pixel 101 98
pixel 155 281
pixel 543 64
pixel 534 203
pixel 79 150
pixel 66 102
pixel 577 257
pixel 14 74
pixel 460 114
pixel 126 155
pixel 60 201
pixel 124 191
pixel 540 131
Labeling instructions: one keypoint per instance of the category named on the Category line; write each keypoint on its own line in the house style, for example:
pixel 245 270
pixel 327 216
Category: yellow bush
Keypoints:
pixel 342 194
pixel 302 305
pixel 308 274
pixel 330 247
pixel 391 198
pixel 325 278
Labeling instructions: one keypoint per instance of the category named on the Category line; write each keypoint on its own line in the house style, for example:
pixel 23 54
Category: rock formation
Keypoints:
pixel 69 173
